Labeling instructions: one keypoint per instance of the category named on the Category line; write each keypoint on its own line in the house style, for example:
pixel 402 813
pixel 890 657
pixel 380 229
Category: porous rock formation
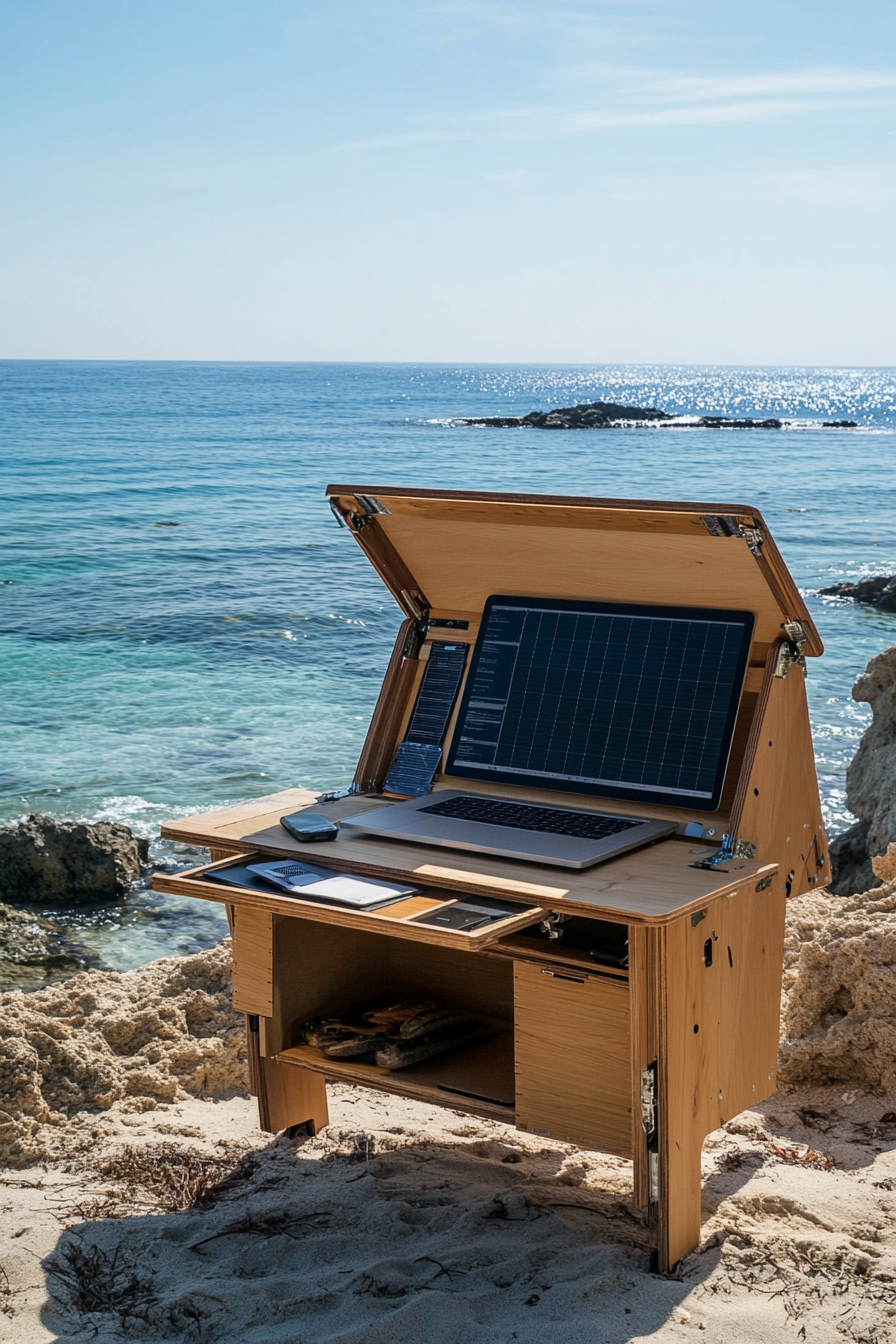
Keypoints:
pixel 49 862
pixel 870 782
pixel 136 1038
pixel 878 591
pixel 839 1015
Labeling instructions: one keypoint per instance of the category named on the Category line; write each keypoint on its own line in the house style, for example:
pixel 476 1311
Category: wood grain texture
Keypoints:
pixel 650 885
pixel 643 964
pixel 484 1068
pixel 399 683
pixel 667 522
pixel 718 1040
pixel 777 806
pixel 572 1056
pixel 291 1097
pixel 324 971
pixel 252 960
pixel 402 924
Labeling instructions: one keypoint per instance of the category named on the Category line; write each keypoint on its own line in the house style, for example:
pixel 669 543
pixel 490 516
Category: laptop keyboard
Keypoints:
pixel 523 817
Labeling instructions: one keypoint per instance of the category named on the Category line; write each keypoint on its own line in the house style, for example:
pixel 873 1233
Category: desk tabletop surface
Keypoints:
pixel 648 886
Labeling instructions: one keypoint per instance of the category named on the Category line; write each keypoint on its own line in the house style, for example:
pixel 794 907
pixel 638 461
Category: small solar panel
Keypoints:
pixel 626 701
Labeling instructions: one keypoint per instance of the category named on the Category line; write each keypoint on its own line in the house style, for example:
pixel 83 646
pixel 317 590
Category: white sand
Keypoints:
pixel 405 1224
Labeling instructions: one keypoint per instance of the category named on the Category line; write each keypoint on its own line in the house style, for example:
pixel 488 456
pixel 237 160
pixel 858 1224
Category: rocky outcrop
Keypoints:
pixel 879 591
pixel 48 862
pixel 588 415
pixel 607 415
pixel 140 1038
pixel 870 782
pixel 839 1022
pixel 35 952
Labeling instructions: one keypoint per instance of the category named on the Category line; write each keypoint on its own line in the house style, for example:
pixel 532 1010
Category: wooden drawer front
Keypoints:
pixel 573 1067
pixel 252 956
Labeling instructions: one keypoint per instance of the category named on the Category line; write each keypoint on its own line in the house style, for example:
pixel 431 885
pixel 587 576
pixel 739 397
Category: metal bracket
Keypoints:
pixel 335 794
pixel 336 514
pixel 720 525
pixel 730 848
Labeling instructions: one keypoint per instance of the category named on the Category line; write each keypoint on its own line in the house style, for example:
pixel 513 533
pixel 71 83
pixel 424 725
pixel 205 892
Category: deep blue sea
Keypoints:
pixel 152 671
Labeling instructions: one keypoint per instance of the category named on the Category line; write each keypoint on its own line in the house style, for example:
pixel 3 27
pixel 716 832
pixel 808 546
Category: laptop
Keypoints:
pixel 626 701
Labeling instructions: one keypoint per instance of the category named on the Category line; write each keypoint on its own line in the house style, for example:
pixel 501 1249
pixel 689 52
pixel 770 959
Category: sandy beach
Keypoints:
pixel 140 1200
pixel 405 1223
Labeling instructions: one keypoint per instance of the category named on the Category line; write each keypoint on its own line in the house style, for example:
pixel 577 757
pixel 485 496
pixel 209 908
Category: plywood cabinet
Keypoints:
pixel 645 1060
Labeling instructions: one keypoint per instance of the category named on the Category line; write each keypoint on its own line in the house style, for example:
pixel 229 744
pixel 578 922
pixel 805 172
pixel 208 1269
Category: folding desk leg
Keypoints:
pixel 681 1082
pixel 287 1095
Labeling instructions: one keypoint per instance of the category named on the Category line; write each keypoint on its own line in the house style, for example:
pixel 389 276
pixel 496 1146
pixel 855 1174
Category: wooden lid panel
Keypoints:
pixel 455 549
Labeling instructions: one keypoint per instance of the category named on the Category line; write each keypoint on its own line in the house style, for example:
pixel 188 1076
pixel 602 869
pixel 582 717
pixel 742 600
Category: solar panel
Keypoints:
pixel 627 701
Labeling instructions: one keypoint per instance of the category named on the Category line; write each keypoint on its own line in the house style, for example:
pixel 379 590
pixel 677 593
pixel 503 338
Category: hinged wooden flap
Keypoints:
pixel 443 552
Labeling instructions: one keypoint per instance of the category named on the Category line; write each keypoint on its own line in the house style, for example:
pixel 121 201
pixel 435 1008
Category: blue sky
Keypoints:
pixel 673 181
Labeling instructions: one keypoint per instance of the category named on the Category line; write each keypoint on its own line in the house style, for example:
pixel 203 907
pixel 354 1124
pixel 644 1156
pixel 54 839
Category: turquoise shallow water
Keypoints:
pixel 152 671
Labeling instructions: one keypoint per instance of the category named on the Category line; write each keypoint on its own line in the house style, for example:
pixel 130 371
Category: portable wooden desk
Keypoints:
pixel 643 1060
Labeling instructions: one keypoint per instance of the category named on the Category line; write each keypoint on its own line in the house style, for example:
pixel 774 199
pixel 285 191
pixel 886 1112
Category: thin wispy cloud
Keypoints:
pixel 641 98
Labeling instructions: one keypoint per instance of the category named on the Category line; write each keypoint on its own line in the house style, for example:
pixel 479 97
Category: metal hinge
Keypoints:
pixel 790 650
pixel 371 505
pixel 416 605
pixel 754 537
pixel 722 525
pixel 730 848
pixel 370 508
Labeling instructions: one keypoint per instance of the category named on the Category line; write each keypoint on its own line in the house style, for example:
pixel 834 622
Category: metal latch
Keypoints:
pixel 649 1102
pixel 650 1125
pixel 730 848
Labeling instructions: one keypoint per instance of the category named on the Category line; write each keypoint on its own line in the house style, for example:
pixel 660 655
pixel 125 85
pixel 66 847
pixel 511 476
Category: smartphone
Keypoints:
pixel 309 826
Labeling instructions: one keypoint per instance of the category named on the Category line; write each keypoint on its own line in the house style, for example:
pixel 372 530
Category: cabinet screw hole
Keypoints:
pixel 730 959
pixel 756 791
pixel 696 1027
pixel 707 952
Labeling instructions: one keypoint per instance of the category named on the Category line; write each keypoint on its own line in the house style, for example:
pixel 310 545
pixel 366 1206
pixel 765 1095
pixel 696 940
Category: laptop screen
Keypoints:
pixel 596 697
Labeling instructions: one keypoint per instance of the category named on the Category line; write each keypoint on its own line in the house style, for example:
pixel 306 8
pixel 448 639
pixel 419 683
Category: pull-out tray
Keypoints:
pixel 399 920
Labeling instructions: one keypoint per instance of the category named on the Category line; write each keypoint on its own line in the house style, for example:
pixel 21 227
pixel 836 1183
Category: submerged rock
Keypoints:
pixel 48 862
pixel 607 415
pixel 144 1038
pixel 879 591
pixel 870 782
pixel 35 952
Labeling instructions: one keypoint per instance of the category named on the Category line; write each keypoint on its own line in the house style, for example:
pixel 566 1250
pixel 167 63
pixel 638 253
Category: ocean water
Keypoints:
pixel 183 624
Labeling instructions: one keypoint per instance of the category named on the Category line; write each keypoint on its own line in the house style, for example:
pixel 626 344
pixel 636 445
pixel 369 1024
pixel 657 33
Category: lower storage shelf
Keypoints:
pixel 478 1078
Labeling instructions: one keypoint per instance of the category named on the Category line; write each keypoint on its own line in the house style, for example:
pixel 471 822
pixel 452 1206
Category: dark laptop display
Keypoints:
pixel 626 701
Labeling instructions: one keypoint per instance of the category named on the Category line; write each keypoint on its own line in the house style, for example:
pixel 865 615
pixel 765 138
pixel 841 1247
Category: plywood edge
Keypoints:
pixel 203 828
